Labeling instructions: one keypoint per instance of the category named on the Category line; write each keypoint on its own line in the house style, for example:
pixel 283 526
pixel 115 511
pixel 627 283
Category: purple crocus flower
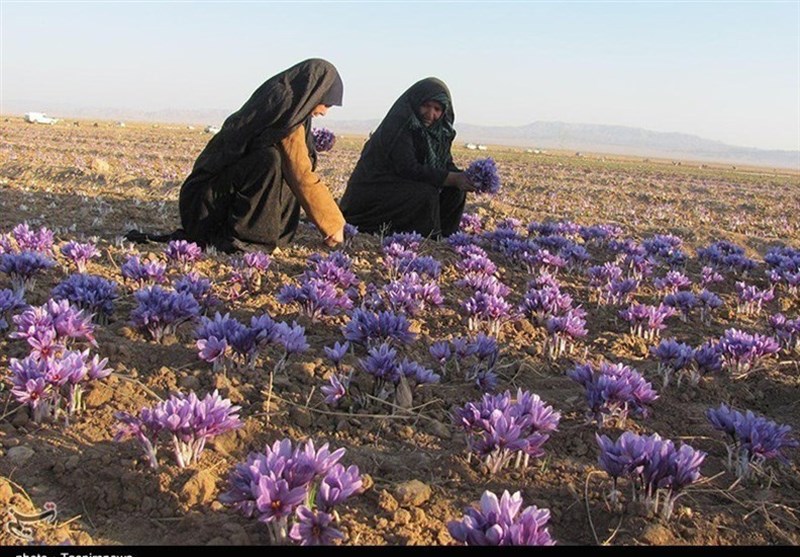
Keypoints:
pixel 742 351
pixel 483 174
pixel 324 139
pixel 159 312
pixel 10 301
pixel 144 273
pixel 80 254
pixel 183 253
pixel 337 353
pixel 314 527
pixel 92 293
pixel 23 267
pixel 336 389
pixel 40 241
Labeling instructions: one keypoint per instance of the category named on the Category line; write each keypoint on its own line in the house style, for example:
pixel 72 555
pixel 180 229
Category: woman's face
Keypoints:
pixel 319 110
pixel 430 111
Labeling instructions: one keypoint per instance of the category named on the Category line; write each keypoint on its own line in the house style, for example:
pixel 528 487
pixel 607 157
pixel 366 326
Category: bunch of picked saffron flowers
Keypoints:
pixel 753 439
pixel 324 139
pixel 483 174
pixel 188 421
pixel 502 429
pixel 297 483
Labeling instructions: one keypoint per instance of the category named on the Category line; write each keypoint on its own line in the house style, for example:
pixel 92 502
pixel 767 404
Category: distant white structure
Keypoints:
pixel 482 148
pixel 39 118
pixel 470 146
pixel 120 124
pixel 211 129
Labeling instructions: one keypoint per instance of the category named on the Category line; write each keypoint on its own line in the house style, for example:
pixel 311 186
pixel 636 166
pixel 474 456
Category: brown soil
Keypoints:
pixel 83 180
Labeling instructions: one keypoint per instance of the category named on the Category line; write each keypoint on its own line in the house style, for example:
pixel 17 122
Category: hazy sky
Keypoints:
pixel 728 71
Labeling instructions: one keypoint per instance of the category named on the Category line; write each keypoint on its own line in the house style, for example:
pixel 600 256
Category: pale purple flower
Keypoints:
pixel 314 527
pixel 183 253
pixel 144 272
pixel 80 254
pixel 159 312
pixel 92 293
pixel 23 267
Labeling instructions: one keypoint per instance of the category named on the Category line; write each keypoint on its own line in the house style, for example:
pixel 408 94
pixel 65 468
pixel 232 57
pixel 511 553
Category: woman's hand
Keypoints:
pixel 461 181
pixel 335 239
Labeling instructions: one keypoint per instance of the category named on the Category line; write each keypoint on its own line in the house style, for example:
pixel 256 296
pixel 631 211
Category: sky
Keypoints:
pixel 728 71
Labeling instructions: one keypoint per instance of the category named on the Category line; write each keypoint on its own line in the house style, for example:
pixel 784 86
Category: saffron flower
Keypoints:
pixel 500 522
pixel 184 254
pixel 753 440
pixel 80 254
pixel 159 312
pixel 144 273
pixel 673 357
pixel 613 392
pixel 324 139
pixel 742 352
pixel 23 267
pixel 10 301
pixel 483 174
pixel 91 293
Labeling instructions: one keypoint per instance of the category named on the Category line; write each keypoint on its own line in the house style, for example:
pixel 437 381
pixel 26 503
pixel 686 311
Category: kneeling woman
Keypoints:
pixel 247 186
pixel 405 180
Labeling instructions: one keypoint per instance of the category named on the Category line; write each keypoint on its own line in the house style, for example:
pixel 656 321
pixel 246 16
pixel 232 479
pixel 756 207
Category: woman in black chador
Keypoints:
pixel 405 180
pixel 248 184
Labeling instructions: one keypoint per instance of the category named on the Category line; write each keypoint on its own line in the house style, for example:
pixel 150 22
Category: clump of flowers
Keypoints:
pixel 741 352
pixel 10 301
pixel 350 232
pixel 51 328
pixel 784 263
pixel 159 312
pixel 707 360
pixel 477 359
pixel 471 224
pixel 186 420
pixel 80 254
pixel 316 297
pixel 666 248
pixel 40 241
pixel 324 139
pixel 658 471
pixel 23 267
pixel 199 288
pixel 483 174
pixel 564 332
pixel 52 384
pixel 601 277
pixel 683 301
pixel 386 369
pixel 600 234
pixel 369 329
pixel 502 429
pixel 672 282
pixel 613 391
pixel 707 302
pixel 248 272
pixel 411 295
pixel 143 273
pixel 751 298
pixel 673 357
pixel 619 291
pixel 753 440
pixel 488 310
pixel 500 522
pixel 786 330
pixel 184 254
pixel 92 293
pixel 646 321
pixel 709 276
pixel 299 483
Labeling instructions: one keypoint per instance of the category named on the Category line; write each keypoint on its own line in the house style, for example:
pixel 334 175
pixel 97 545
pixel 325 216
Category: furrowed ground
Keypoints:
pixel 83 180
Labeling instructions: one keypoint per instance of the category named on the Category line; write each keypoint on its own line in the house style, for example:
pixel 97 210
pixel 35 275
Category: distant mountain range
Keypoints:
pixel 593 138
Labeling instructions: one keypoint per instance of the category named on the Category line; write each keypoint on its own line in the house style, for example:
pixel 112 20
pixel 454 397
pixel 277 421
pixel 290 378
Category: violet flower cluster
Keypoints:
pixel 564 331
pixel 667 248
pixel 199 288
pixel 188 421
pixel 299 483
pixel 503 428
pixel 786 330
pixel 92 293
pixel 324 139
pixel 52 384
pixel 53 327
pixel 23 267
pixel 500 522
pixel 370 329
pixel 613 392
pixel 751 298
pixel 673 358
pixel 326 287
pixel 684 301
pixel 784 263
pixel 412 295
pixel 646 321
pixel 709 276
pixel 143 273
pixel 742 352
pixel 483 174
pixel 183 254
pixel 471 224
pixel 658 472
pixel 10 301
pixel 80 254
pixel 385 368
pixel 708 302
pixel 39 241
pixel 248 273
pixel 160 312
pixel 600 234
pixel 477 359
pixel 672 282
pixel 727 256
pixel 753 440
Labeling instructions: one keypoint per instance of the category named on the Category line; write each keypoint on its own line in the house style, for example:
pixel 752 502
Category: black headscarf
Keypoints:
pixel 404 115
pixel 273 110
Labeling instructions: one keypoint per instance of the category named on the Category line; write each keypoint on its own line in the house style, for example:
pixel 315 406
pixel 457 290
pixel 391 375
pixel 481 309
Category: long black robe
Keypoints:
pixel 392 188
pixel 235 196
